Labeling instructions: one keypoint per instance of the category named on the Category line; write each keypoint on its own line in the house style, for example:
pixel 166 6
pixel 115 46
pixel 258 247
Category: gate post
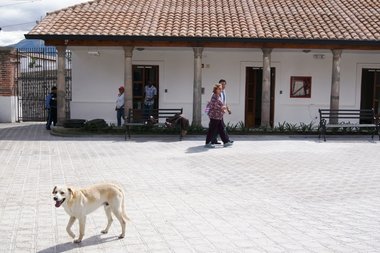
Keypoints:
pixel 61 85
pixel 8 96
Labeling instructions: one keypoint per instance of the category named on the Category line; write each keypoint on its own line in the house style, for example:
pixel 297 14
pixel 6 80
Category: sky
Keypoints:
pixel 18 17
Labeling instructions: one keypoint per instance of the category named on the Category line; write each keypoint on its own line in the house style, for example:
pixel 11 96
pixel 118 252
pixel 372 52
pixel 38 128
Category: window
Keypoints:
pixel 300 86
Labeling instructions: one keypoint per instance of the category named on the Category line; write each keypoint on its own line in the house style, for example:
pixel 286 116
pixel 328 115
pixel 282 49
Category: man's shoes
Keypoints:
pixel 227 144
pixel 216 142
pixel 48 128
pixel 209 145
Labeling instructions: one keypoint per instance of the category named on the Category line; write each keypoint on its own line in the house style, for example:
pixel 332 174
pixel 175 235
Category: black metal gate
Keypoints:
pixel 36 74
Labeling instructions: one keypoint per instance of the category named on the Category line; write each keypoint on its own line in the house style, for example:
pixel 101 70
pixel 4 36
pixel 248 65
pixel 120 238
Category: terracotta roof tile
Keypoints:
pixel 281 19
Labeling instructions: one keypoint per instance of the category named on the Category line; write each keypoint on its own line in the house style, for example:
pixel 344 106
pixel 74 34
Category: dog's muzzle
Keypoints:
pixel 58 203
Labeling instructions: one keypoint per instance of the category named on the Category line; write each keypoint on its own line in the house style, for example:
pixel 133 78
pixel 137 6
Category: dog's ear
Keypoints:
pixel 55 187
pixel 71 191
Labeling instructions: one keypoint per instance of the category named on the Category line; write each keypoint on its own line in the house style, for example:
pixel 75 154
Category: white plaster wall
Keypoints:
pixel 97 78
pixel 296 110
pixel 8 112
pixel 95 83
pixel 228 65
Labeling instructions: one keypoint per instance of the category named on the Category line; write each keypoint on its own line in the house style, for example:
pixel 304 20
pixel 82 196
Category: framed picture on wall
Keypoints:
pixel 300 86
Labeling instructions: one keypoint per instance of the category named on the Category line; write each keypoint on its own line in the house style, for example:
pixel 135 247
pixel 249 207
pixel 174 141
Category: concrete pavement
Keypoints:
pixel 263 194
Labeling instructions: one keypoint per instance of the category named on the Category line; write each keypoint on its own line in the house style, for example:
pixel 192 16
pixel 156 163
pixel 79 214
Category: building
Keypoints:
pixel 282 59
pixel 8 85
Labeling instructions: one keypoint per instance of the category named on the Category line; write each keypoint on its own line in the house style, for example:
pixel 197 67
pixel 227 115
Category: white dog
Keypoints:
pixel 79 203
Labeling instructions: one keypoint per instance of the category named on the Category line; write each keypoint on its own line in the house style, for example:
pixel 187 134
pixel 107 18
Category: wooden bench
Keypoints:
pixel 158 117
pixel 363 118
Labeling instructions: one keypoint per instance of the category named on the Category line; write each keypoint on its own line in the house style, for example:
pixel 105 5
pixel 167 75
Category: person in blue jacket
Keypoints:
pixel 51 106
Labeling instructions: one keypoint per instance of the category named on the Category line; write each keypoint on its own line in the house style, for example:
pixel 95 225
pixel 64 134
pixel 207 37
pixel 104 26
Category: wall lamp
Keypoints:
pixel 95 53
pixel 319 56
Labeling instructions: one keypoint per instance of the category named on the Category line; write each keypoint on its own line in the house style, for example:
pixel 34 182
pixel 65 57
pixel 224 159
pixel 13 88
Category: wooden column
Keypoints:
pixel 265 97
pixel 61 85
pixel 335 82
pixel 128 93
pixel 197 90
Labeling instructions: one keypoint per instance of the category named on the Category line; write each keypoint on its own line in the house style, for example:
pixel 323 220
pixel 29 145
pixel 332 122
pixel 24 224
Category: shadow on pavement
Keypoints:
pixel 197 149
pixel 93 240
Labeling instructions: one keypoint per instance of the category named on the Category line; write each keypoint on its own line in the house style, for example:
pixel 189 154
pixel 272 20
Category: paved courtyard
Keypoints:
pixel 263 194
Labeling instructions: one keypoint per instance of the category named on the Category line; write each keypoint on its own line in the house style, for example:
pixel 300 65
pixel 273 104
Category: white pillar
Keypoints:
pixel 265 98
pixel 128 93
pixel 335 82
pixel 197 90
pixel 61 85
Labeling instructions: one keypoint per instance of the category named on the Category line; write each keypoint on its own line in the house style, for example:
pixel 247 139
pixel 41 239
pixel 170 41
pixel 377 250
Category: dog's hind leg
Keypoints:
pixel 117 211
pixel 69 225
pixel 82 225
pixel 108 211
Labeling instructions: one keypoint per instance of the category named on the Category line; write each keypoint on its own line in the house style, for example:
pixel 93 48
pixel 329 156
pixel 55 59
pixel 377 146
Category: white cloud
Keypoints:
pixel 11 37
pixel 18 17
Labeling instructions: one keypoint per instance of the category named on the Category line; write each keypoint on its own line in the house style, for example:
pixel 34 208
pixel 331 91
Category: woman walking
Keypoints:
pixel 216 109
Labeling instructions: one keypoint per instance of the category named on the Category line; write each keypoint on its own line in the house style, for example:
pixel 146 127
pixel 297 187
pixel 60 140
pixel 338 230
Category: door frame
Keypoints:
pixel 259 64
pixel 359 73
pixel 160 64
pixel 156 82
pixel 371 99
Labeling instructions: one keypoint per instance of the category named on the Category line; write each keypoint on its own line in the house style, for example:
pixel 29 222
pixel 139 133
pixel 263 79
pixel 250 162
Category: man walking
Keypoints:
pixel 51 106
pixel 150 93
pixel 223 98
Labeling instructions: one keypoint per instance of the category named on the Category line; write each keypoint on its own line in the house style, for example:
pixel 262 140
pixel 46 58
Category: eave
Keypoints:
pixel 215 42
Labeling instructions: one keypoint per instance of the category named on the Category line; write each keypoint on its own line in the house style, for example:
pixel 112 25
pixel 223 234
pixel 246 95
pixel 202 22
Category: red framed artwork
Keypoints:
pixel 300 86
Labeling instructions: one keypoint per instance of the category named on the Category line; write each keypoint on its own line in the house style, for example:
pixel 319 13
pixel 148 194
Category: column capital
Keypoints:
pixel 267 51
pixel 337 52
pixel 61 49
pixel 128 51
pixel 198 51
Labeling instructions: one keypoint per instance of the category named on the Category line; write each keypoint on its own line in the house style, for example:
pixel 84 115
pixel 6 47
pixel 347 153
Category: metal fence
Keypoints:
pixel 36 74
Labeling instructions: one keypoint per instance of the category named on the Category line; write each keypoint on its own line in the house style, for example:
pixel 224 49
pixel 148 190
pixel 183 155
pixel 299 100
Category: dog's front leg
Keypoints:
pixel 69 225
pixel 82 225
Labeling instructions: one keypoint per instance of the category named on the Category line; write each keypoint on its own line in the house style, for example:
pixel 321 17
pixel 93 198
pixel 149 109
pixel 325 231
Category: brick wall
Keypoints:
pixel 8 59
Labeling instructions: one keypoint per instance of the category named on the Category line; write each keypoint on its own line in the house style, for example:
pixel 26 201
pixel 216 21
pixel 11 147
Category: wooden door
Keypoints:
pixel 142 74
pixel 253 93
pixel 376 92
pixel 370 90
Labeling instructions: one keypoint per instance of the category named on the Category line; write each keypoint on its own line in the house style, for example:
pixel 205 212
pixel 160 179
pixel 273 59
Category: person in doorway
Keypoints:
pixel 119 108
pixel 215 112
pixel 223 98
pixel 51 106
pixel 150 93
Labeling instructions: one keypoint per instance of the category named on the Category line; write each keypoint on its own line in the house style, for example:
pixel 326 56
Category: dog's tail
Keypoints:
pixel 123 204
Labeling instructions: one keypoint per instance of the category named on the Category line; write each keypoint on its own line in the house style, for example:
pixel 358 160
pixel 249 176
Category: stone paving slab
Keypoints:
pixel 263 194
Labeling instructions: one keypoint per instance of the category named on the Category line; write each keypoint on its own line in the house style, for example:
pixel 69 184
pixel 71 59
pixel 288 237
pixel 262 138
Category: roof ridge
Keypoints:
pixel 73 6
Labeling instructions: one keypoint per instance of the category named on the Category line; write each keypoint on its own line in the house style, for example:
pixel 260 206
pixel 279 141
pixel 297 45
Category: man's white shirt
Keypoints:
pixel 120 101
